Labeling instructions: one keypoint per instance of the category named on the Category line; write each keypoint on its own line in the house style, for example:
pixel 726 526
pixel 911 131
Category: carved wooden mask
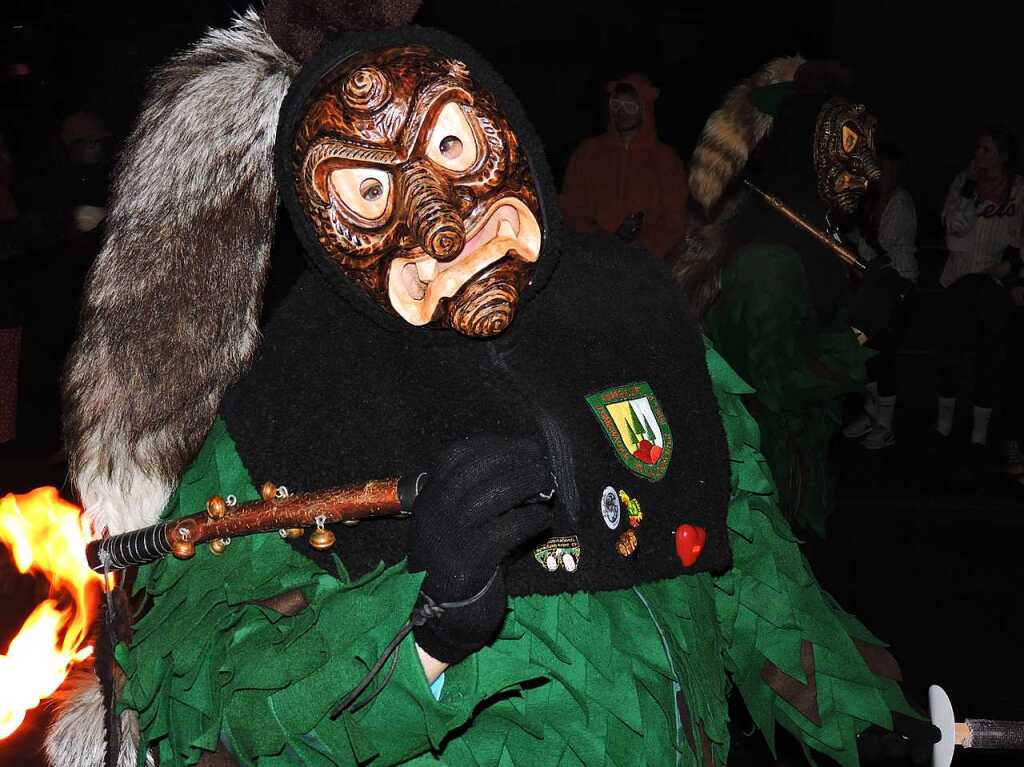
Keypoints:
pixel 845 155
pixel 417 189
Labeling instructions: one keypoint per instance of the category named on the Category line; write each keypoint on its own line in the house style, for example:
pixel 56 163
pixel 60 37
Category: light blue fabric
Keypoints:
pixel 437 686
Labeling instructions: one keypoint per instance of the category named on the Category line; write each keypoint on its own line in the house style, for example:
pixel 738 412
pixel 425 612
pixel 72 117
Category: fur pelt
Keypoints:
pixel 698 260
pixel 77 737
pixel 733 131
pixel 171 306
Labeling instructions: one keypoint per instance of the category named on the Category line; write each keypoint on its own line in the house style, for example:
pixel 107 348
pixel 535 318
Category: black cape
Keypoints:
pixel 343 390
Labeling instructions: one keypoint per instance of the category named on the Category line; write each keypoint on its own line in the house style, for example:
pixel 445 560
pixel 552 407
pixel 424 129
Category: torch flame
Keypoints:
pixel 46 535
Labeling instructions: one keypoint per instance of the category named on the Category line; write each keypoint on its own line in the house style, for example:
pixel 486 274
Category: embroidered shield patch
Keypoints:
pixel 635 424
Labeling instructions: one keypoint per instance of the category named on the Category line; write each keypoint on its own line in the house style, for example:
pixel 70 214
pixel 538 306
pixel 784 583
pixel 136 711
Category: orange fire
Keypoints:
pixel 46 535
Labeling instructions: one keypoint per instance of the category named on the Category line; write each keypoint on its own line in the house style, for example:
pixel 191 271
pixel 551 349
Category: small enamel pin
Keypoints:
pixel 558 553
pixel 633 510
pixel 627 543
pixel 690 543
pixel 611 510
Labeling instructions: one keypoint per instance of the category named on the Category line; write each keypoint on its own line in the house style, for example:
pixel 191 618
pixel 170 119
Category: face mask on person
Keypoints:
pixel 417 188
pixel 626 112
pixel 845 154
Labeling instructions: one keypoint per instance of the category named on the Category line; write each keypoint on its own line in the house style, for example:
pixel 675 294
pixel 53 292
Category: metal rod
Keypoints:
pixel 993 734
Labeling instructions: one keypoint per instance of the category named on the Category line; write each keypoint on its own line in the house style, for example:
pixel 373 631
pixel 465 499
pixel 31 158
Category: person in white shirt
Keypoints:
pixel 984 209
pixel 983 215
pixel 888 229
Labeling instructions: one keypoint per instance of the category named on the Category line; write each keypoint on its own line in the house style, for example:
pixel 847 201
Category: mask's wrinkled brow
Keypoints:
pixel 440 91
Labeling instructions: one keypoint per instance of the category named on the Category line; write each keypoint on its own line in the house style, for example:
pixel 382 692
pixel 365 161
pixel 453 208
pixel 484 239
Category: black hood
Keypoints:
pixel 342 390
pixel 784 167
pixel 293 110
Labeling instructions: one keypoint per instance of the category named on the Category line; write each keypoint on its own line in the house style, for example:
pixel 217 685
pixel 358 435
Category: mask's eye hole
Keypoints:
pixel 850 139
pixel 451 147
pixel 371 190
pixel 366 192
pixel 452 142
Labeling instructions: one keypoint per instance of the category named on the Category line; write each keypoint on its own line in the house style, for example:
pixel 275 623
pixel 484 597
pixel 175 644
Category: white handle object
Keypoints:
pixel 940 709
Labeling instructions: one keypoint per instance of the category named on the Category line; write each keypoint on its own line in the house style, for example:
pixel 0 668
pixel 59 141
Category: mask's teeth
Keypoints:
pixel 414 286
pixel 426 269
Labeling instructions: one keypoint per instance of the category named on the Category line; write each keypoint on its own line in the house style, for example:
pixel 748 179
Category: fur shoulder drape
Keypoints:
pixel 171 306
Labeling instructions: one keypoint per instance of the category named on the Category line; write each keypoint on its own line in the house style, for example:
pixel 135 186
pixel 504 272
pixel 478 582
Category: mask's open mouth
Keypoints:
pixel 847 182
pixel 417 285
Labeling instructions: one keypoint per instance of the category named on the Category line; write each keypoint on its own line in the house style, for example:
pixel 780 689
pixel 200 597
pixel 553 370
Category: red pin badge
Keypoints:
pixel 689 543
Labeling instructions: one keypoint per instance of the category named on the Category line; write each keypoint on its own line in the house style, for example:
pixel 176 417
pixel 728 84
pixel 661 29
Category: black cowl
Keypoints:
pixel 342 390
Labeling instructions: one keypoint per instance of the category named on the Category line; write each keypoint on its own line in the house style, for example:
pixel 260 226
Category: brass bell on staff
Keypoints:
pixel 321 539
pixel 183 549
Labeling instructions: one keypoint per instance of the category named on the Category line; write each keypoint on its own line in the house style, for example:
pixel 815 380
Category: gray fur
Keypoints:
pixel 732 132
pixel 697 262
pixel 171 307
pixel 77 737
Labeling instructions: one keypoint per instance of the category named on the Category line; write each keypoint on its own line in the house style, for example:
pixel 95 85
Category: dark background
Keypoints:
pixel 935 573
pixel 934 77
pixel 557 55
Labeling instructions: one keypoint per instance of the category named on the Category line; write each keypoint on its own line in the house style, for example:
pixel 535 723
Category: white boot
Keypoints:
pixel 979 433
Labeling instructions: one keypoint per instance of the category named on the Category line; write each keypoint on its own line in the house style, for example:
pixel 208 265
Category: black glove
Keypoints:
pixel 478 506
pixel 909 739
pixel 630 226
pixel 880 291
pixel 969 188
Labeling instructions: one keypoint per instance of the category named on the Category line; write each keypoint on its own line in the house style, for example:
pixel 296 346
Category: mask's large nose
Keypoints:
pixel 430 215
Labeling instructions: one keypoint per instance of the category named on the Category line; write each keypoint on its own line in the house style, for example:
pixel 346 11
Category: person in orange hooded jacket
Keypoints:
pixel 626 181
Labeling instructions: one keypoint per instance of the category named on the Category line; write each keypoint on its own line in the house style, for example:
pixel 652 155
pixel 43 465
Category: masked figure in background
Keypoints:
pixel 776 301
pixel 626 182
pixel 595 557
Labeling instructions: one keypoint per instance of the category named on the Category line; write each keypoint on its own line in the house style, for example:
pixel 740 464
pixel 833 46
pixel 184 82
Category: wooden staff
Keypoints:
pixel 289 514
pixel 845 254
